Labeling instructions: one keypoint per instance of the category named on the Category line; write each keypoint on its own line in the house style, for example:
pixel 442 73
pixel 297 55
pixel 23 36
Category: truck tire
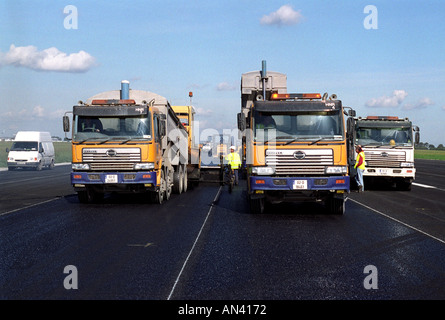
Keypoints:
pixel 185 182
pixel 89 196
pixel 168 184
pixel 403 185
pixel 39 166
pixel 336 206
pixel 159 195
pixel 256 205
pixel 51 165
pixel 178 181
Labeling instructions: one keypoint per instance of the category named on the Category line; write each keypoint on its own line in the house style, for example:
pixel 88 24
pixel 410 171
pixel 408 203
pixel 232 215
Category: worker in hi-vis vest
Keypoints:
pixel 360 166
pixel 234 161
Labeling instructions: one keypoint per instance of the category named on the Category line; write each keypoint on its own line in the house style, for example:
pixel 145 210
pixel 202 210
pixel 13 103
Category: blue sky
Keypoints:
pixel 173 47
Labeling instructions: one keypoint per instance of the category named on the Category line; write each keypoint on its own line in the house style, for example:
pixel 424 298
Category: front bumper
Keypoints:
pixel 81 179
pixel 299 183
pixel 390 172
pixel 23 164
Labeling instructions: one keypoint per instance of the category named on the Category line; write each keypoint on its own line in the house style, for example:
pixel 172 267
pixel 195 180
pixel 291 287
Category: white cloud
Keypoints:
pixel 285 15
pixel 203 112
pixel 421 104
pixel 34 113
pixel 225 86
pixel 392 101
pixel 38 111
pixel 51 59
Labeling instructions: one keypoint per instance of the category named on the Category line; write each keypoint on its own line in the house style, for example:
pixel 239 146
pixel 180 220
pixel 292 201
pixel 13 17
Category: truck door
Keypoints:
pixel 157 139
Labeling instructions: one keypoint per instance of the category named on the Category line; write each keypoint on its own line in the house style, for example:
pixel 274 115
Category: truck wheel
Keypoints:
pixel 168 184
pixel 39 166
pixel 159 195
pixel 51 165
pixel 256 205
pixel 336 206
pixel 89 196
pixel 82 196
pixel 184 175
pixel 403 185
pixel 178 181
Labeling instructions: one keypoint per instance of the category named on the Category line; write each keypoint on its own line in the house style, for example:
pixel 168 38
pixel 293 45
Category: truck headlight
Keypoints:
pixel 144 166
pixel 407 164
pixel 336 170
pixel 80 166
pixel 263 171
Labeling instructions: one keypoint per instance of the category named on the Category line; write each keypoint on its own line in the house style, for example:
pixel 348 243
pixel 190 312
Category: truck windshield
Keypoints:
pixel 384 136
pixel 24 146
pixel 306 126
pixel 112 128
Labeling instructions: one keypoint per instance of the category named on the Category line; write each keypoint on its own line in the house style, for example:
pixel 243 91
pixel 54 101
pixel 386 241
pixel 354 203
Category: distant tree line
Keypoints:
pixel 429 146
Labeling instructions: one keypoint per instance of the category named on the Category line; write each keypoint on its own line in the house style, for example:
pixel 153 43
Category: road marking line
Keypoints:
pixel 30 206
pixel 194 244
pixel 423 185
pixel 141 245
pixel 35 178
pixel 426 186
pixel 394 219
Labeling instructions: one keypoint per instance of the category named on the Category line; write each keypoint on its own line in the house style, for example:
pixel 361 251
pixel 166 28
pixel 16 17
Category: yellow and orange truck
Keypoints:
pixel 186 115
pixel 295 146
pixel 127 141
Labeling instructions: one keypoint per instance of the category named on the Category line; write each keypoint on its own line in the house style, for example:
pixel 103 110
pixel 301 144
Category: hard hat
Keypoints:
pixel 232 148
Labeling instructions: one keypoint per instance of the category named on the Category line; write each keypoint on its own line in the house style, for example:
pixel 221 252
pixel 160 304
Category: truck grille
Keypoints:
pixel 387 159
pixel 111 159
pixel 299 162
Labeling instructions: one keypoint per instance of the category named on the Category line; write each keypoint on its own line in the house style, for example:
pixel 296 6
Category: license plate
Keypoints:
pixel 300 185
pixel 383 171
pixel 111 178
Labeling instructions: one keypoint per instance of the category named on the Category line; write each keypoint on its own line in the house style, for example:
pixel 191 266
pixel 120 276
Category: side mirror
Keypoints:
pixel 417 137
pixel 351 113
pixel 162 129
pixel 241 121
pixel 66 124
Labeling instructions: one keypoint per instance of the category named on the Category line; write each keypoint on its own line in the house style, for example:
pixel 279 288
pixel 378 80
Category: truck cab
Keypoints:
pixel 388 143
pixel 295 144
pixel 127 141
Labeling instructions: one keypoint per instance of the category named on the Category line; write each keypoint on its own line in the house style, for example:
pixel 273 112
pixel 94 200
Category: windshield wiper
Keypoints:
pixel 318 140
pixel 84 140
pixel 290 141
pixel 373 144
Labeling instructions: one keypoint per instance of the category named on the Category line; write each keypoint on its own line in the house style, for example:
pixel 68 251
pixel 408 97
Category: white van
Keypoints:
pixel 31 149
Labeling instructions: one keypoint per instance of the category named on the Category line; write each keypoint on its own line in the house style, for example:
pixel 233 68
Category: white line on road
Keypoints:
pixel 194 244
pixel 36 178
pixel 427 186
pixel 394 219
pixel 26 207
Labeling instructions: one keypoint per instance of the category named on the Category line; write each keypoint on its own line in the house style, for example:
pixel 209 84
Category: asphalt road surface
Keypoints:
pixel 205 245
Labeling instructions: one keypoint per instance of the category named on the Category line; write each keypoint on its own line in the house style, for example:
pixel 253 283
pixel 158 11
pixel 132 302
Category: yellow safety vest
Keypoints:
pixel 234 160
pixel 357 161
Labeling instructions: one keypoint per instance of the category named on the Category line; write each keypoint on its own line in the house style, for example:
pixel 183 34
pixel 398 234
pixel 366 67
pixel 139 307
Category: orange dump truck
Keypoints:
pixel 127 141
pixel 294 145
pixel 186 115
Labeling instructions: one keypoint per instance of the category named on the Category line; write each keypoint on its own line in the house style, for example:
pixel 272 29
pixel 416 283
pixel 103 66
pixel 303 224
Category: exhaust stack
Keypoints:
pixel 125 90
